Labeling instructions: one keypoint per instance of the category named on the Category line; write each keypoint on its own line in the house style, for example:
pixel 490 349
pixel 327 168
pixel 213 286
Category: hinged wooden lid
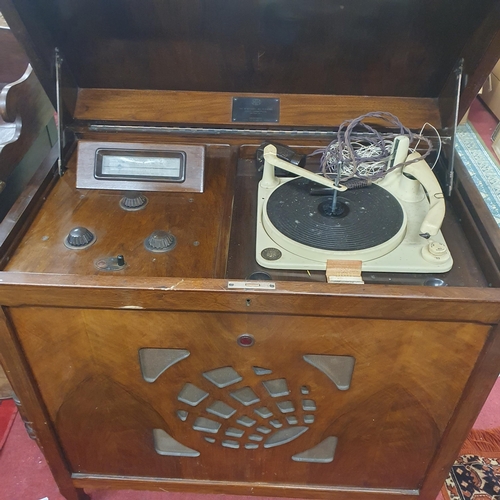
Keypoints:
pixel 184 61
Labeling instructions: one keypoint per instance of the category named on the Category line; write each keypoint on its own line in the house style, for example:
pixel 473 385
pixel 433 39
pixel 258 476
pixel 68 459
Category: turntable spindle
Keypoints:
pixel 336 208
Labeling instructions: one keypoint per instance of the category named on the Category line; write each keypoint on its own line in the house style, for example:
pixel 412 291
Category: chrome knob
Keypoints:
pixel 160 241
pixel 133 201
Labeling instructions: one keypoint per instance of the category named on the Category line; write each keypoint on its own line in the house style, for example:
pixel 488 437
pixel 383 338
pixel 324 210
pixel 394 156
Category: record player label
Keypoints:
pixel 256 110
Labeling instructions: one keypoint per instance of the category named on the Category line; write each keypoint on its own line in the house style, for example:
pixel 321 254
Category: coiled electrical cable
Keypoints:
pixel 366 154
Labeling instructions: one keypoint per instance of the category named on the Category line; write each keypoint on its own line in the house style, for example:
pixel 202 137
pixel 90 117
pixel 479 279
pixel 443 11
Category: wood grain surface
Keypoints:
pixel 407 381
pixel 478 305
pixel 486 42
pixel 41 250
pixel 215 108
pixel 32 408
pixel 199 221
pixel 475 393
pixel 316 47
pixel 96 481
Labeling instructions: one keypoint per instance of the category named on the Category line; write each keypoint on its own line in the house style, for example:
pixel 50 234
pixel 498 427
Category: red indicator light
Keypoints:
pixel 246 340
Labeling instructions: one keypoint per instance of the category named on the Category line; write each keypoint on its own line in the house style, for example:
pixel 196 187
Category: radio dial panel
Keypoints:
pixel 140 167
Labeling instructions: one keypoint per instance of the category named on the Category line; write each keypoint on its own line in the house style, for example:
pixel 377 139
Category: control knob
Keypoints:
pixel 79 238
pixel 133 201
pixel 160 241
pixel 435 251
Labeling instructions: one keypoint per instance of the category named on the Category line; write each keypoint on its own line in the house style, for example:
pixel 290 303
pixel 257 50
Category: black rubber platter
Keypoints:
pixel 371 216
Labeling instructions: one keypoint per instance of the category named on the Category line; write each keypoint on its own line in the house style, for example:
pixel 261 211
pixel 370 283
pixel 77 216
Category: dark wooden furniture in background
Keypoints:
pixel 25 112
pixel 13 59
pixel 104 363
pixel 10 64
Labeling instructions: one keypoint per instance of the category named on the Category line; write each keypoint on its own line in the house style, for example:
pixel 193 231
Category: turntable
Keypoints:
pixel 391 226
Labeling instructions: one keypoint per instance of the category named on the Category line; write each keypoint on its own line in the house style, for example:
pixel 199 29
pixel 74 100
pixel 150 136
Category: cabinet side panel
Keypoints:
pixel 32 408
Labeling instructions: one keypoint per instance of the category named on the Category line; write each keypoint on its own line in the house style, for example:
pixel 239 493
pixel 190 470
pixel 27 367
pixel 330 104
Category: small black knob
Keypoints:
pixel 120 260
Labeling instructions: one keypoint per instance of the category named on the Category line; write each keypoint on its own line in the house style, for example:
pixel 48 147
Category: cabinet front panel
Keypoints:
pixel 248 397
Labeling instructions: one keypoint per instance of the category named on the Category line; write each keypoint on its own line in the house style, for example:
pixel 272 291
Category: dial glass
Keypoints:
pixel 140 165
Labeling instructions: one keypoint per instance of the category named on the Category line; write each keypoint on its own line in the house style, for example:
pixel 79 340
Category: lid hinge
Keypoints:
pixel 61 167
pixel 450 123
pixel 66 92
pixel 459 77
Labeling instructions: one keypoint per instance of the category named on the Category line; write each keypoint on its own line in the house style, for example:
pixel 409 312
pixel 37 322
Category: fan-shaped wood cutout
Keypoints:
pixel 155 361
pixel 337 368
pixel 322 453
pixel 165 444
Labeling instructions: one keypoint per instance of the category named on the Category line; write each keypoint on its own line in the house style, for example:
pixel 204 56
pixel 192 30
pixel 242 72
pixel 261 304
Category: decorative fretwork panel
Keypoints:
pixel 263 416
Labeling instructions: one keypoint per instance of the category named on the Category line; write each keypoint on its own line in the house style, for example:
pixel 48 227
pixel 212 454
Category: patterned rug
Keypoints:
pixel 476 473
pixel 481 165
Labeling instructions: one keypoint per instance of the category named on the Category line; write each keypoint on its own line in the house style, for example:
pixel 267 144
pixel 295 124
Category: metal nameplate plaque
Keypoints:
pixel 256 109
pixel 251 285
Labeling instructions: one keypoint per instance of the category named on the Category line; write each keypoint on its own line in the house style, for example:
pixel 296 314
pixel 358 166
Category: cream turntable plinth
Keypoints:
pixel 390 226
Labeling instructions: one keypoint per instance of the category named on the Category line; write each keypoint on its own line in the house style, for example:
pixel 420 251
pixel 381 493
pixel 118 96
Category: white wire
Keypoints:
pixel 439 139
pixel 366 168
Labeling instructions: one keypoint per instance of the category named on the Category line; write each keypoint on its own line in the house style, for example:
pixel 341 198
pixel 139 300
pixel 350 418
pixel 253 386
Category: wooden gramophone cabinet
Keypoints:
pixel 317 390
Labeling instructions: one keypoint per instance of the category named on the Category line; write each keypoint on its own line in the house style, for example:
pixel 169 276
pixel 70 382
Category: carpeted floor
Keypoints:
pixel 475 475
pixel 8 412
pixel 5 389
